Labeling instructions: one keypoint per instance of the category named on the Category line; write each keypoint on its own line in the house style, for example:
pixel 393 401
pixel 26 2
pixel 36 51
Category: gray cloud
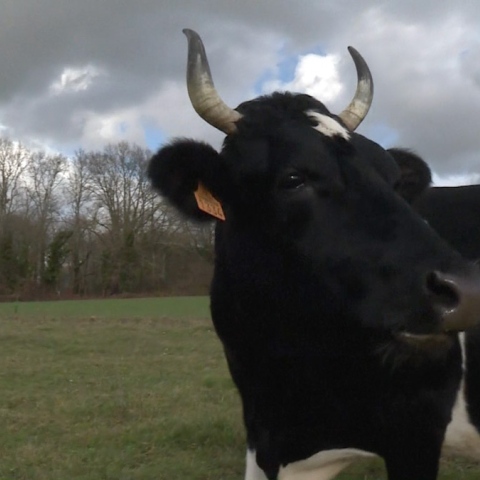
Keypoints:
pixel 425 57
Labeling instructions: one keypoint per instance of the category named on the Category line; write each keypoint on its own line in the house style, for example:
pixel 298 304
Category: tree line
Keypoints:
pixel 90 225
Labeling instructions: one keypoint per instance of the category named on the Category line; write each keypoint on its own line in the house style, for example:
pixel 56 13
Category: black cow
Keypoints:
pixel 338 307
pixel 454 212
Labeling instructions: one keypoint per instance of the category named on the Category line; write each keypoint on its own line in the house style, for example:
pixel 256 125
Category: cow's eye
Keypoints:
pixel 292 181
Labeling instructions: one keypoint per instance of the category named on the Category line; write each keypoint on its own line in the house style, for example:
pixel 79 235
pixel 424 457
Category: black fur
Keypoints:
pixel 416 175
pixel 453 212
pixel 177 168
pixel 320 267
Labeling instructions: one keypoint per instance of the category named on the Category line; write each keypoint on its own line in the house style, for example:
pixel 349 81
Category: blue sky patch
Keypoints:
pixel 284 70
pixel 154 137
pixel 383 134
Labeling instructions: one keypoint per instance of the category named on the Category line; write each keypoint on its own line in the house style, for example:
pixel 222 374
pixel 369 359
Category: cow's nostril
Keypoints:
pixel 444 290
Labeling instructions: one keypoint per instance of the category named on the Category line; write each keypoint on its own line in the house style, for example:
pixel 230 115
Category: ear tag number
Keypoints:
pixel 207 203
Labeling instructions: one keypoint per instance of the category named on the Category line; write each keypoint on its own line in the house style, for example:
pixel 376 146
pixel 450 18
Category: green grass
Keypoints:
pixel 110 308
pixel 116 399
pixel 118 395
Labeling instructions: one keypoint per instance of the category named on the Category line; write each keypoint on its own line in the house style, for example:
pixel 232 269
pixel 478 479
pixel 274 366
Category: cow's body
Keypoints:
pixel 336 304
pixel 462 436
pixel 453 212
pixel 461 439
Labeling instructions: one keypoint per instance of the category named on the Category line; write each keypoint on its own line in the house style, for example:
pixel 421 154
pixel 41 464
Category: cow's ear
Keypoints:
pixel 176 170
pixel 415 174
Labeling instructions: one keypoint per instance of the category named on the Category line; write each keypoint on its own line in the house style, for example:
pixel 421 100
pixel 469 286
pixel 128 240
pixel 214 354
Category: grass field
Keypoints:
pixel 186 307
pixel 125 390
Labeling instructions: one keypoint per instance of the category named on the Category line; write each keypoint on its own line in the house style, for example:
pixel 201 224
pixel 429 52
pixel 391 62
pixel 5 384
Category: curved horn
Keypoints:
pixel 354 114
pixel 203 95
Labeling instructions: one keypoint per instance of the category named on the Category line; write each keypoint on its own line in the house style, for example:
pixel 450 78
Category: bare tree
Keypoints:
pixel 202 237
pixel 125 206
pixel 13 163
pixel 13 229
pixel 92 224
pixel 45 177
pixel 79 218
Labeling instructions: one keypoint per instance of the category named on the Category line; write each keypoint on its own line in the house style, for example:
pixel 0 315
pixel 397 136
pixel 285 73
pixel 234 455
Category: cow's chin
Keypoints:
pixel 406 348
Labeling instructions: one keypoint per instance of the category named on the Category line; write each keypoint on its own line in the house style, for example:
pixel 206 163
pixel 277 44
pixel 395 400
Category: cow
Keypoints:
pixel 454 212
pixel 340 311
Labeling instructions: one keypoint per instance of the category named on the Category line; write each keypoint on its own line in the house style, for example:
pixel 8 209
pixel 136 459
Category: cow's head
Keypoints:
pixel 296 183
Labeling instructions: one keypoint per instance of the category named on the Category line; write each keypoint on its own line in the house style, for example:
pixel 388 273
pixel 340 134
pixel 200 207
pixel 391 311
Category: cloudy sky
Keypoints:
pixel 91 72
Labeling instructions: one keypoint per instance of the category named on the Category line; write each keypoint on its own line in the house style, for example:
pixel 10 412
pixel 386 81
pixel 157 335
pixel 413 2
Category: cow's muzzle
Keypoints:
pixel 457 299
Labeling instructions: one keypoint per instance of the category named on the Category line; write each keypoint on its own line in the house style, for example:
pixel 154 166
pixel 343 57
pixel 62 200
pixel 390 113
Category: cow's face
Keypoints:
pixel 293 167
pixel 324 200
pixel 314 221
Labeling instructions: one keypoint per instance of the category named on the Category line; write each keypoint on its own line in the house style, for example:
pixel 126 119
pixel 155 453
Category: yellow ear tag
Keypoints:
pixel 207 203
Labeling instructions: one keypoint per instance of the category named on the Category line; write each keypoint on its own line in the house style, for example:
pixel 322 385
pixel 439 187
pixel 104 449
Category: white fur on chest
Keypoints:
pixel 323 465
pixel 461 439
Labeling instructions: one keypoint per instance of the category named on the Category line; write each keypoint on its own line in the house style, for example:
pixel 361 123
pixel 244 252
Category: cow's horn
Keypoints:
pixel 205 99
pixel 354 114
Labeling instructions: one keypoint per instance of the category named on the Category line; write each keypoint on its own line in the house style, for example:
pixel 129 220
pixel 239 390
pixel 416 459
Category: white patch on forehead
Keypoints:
pixel 328 126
